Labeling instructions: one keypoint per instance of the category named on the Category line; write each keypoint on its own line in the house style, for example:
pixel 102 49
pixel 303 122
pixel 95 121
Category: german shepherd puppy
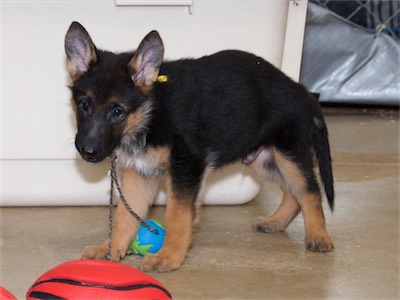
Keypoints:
pixel 181 119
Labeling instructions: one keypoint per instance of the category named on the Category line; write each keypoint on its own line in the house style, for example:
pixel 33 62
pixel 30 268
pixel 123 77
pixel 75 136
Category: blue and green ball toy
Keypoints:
pixel 147 241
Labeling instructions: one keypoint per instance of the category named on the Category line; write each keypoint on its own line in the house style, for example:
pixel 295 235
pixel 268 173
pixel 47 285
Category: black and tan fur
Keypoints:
pixel 210 112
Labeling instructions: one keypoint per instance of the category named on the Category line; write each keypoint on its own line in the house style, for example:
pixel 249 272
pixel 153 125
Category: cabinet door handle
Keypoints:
pixel 188 3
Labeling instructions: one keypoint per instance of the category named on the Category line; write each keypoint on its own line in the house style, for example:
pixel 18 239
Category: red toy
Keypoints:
pixel 95 279
pixel 6 295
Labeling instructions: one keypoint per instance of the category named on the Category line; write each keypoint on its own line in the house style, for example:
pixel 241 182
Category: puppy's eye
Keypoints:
pixel 84 107
pixel 116 113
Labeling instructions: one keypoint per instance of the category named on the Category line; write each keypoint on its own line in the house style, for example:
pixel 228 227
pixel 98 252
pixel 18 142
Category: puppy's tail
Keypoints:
pixel 322 150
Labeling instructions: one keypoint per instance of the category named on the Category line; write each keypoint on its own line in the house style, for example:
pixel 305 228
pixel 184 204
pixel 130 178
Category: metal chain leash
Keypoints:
pixel 114 180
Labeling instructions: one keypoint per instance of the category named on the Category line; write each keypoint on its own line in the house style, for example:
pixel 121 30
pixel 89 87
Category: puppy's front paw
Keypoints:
pixel 101 252
pixel 95 251
pixel 160 262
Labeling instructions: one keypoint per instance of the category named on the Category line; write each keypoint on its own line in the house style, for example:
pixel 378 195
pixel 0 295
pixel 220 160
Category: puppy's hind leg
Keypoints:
pixel 287 211
pixel 317 238
pixel 301 192
pixel 265 165
pixel 299 178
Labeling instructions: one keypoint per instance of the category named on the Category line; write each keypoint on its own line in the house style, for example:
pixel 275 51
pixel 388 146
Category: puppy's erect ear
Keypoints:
pixel 147 60
pixel 80 50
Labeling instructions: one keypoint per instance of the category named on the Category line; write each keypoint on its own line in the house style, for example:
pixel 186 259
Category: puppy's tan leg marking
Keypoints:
pixel 272 164
pixel 317 238
pixel 266 165
pixel 286 212
pixel 179 221
pixel 140 193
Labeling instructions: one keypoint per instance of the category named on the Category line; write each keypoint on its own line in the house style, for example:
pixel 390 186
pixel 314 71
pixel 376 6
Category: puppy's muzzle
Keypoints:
pixel 91 151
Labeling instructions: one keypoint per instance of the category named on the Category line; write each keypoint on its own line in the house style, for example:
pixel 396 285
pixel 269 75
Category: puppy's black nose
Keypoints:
pixel 89 151
pixel 89 154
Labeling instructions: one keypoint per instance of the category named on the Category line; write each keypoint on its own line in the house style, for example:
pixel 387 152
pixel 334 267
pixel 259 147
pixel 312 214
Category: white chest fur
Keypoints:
pixel 148 161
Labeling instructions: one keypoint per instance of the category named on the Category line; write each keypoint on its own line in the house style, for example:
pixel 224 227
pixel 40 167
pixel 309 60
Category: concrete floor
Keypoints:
pixel 229 260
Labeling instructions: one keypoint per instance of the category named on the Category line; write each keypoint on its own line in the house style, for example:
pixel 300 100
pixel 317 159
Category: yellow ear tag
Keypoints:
pixel 162 78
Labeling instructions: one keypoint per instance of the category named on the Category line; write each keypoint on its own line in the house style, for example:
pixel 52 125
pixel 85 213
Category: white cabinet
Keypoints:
pixel 39 164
